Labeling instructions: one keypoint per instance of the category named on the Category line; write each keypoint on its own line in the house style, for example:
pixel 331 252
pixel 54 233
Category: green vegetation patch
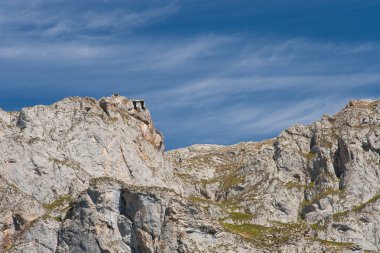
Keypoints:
pixel 328 191
pixel 251 231
pixel 334 243
pixel 317 226
pixel 48 216
pixel 361 206
pixel 236 216
pixel 229 204
pixel 58 202
pixel 196 199
pixel 311 185
pixel 97 180
pixel 310 156
pixel 230 180
pixel 338 215
pixel 264 236
pixel 185 177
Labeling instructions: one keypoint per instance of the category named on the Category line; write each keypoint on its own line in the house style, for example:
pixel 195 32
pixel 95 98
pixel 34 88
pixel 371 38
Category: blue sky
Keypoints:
pixel 211 71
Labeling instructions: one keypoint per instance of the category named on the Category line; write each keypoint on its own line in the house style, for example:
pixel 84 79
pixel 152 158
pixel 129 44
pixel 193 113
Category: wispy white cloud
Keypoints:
pixel 119 19
pixel 210 89
pixel 52 53
pixel 50 19
pixel 137 55
pixel 219 88
pixel 245 97
pixel 275 118
pixel 250 121
pixel 265 68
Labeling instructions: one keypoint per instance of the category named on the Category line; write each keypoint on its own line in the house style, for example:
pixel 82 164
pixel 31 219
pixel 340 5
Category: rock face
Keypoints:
pixel 86 175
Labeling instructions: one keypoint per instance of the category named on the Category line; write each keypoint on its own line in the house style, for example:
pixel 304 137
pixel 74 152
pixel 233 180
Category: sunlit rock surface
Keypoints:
pixel 86 175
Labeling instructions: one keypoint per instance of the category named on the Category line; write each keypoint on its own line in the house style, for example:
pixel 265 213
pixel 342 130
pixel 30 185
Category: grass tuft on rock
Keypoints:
pixel 338 215
pixel 266 237
pixel 58 202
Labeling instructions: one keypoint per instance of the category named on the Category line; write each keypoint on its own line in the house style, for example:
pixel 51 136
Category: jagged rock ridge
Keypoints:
pixel 86 175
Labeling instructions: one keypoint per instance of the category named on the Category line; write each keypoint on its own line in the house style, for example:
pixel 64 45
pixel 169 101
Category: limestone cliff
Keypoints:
pixel 86 175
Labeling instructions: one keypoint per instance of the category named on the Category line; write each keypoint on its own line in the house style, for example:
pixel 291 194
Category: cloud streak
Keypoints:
pixel 66 20
pixel 255 90
pixel 210 87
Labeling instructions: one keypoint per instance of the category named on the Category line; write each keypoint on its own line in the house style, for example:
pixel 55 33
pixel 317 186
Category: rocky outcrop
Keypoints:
pixel 324 176
pixel 86 175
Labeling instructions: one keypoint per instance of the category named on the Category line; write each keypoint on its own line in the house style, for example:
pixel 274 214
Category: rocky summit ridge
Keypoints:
pixel 86 175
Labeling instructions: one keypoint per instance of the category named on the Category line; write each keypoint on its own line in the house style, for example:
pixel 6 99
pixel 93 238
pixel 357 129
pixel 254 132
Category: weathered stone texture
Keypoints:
pixel 86 175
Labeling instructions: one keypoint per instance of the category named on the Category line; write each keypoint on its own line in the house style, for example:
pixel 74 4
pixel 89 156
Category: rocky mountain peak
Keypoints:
pixel 87 175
